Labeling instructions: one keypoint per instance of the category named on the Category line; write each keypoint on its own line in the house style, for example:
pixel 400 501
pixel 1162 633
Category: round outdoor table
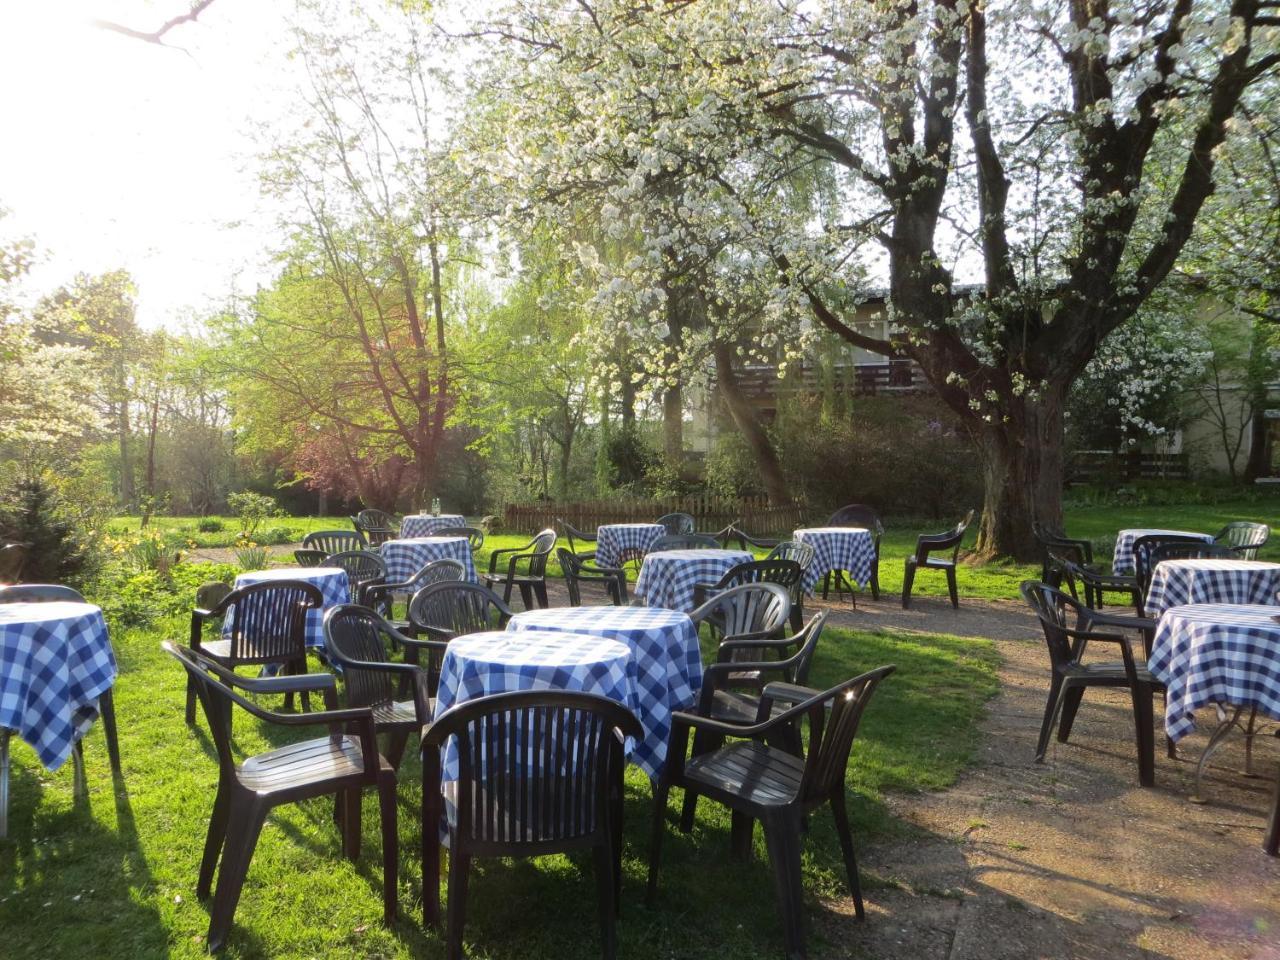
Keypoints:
pixel 664 646
pixel 1210 580
pixel 1122 559
pixel 425 524
pixel 617 543
pixel 850 549
pixel 481 664
pixel 331 582
pixel 407 556
pixel 668 577
pixel 1222 654
pixel 55 662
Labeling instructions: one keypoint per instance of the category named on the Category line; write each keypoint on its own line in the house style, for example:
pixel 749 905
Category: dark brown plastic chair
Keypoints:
pixel 333 541
pixel 268 626
pixel 364 569
pixel 356 641
pixel 13 557
pixel 857 515
pixel 379 596
pixel 443 611
pixel 746 614
pixel 342 764
pixel 785 573
pixel 1066 569
pixel 540 772
pixel 803 554
pixel 54 593
pixel 578 570
pixel 372 517
pixel 1244 537
pixel 1144 560
pixel 760 782
pixel 309 558
pixel 532 580
pixel 734 535
pixel 677 523
pixel 1071 677
pixel 573 535
pixel 684 541
pixel 474 535
pixel 731 692
pixel 1080 551
pixel 927 544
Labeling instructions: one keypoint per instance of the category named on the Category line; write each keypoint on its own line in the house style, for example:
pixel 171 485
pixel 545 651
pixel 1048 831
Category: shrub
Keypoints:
pixel 252 509
pixel 56 551
pixel 279 536
pixel 210 525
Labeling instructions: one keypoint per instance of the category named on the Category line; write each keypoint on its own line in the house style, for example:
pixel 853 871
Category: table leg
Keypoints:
pixel 4 782
pixel 1215 742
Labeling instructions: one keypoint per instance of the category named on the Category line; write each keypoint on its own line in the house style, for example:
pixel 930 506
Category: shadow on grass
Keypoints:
pixel 70 884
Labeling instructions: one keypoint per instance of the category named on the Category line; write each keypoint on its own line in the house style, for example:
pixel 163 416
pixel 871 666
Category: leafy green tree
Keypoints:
pixel 927 135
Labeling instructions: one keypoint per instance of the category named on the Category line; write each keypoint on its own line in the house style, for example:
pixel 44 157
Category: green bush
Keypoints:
pixel 279 536
pixel 131 597
pixel 34 515
pixel 252 509
pixel 210 525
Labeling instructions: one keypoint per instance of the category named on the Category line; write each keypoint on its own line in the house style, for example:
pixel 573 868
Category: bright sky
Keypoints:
pixel 119 153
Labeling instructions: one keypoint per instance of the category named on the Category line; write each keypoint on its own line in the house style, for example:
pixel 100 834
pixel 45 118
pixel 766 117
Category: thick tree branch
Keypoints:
pixel 156 36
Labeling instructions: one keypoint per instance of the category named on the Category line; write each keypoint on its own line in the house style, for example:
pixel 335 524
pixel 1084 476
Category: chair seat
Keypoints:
pixel 931 563
pixel 1109 672
pixel 399 713
pixel 318 761
pixel 216 649
pixel 520 578
pixel 747 771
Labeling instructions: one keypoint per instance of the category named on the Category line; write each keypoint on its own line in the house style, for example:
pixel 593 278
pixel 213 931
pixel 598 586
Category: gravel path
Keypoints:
pixel 1069 858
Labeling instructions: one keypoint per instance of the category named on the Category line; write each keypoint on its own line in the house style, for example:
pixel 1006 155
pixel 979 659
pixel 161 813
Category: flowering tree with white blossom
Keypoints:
pixel 1059 153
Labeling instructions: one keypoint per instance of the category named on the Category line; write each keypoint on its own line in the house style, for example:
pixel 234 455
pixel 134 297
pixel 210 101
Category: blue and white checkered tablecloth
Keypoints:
pixel 1216 653
pixel 668 577
pixel 664 645
pixel 482 664
pixel 614 538
pixel 407 556
pixel 331 581
pixel 1211 580
pixel 1122 559
pixel 850 549
pixel 424 525
pixel 55 662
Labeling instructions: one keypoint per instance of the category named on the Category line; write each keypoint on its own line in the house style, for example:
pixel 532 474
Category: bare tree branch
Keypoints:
pixel 156 36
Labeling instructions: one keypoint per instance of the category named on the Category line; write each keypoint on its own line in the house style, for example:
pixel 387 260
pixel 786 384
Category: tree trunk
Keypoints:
pixel 744 417
pixel 1023 472
pixel 150 482
pixel 673 425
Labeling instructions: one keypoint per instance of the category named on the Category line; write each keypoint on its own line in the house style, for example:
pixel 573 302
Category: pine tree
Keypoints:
pixel 32 516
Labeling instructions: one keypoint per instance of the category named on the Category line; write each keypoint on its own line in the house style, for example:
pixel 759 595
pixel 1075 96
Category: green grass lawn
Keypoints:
pixel 114 875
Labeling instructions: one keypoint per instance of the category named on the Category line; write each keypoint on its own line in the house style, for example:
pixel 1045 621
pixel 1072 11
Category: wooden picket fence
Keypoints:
pixel 755 515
